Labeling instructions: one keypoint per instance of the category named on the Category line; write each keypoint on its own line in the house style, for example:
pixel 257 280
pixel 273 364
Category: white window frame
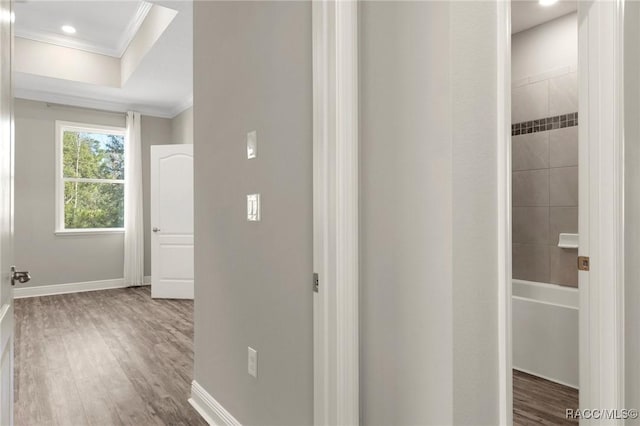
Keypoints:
pixel 61 127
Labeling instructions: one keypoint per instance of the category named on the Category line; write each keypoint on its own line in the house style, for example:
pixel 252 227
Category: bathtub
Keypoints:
pixel 545 331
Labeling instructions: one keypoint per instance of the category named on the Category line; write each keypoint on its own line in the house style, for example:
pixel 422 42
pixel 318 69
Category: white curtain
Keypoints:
pixel 133 219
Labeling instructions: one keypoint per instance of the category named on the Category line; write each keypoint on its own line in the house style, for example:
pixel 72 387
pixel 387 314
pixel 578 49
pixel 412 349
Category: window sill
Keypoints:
pixel 72 232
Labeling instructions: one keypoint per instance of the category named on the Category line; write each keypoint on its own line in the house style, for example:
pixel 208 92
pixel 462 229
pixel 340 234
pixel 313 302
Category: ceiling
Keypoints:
pixel 526 14
pixel 104 27
pixel 162 83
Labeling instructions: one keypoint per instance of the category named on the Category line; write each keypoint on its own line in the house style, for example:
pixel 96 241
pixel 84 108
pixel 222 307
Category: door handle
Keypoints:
pixel 156 229
pixel 20 276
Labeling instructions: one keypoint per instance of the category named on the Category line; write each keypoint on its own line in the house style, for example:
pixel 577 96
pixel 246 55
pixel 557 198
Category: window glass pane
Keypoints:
pixel 93 205
pixel 93 155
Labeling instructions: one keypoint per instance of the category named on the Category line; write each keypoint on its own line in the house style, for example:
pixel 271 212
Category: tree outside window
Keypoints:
pixel 92 172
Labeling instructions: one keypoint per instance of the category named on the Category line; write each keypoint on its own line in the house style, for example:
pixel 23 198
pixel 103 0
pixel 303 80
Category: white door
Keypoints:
pixel 6 214
pixel 172 221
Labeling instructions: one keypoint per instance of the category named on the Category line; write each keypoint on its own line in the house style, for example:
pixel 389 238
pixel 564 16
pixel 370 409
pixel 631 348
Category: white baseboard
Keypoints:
pixel 210 409
pixel 551 379
pixel 49 290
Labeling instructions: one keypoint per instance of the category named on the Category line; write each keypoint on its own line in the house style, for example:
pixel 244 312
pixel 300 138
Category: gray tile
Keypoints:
pixel 530 102
pixel 530 151
pixel 563 94
pixel 530 188
pixel 531 262
pixel 562 220
pixel 563 147
pixel 564 186
pixel 530 225
pixel 563 266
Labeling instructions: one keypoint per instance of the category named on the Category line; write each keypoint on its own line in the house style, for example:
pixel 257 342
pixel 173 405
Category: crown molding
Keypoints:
pixel 182 106
pixel 133 27
pixel 82 102
pixel 75 43
pixel 63 41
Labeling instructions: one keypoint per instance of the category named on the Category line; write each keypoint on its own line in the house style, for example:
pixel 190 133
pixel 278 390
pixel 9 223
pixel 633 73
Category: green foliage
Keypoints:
pixel 93 156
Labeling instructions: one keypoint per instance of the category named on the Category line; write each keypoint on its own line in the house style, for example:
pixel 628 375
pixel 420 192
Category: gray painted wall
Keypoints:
pixel 65 259
pixel 54 259
pixel 429 351
pixel 182 127
pixel 475 220
pixel 253 72
pixel 406 218
pixel 155 131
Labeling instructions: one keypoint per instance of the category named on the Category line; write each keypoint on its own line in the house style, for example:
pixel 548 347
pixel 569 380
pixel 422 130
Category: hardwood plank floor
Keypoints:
pixel 118 357
pixel 537 401
pixel 113 357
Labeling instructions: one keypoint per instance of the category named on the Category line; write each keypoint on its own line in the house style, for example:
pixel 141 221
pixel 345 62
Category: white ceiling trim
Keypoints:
pixel 77 101
pixel 60 40
pixel 182 106
pixel 133 27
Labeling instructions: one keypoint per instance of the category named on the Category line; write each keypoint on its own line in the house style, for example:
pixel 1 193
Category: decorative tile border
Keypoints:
pixel 544 124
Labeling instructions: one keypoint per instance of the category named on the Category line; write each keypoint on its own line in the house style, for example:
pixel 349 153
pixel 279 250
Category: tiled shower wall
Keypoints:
pixel 545 177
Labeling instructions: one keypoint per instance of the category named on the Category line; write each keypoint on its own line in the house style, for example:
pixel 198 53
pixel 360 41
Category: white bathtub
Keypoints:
pixel 545 331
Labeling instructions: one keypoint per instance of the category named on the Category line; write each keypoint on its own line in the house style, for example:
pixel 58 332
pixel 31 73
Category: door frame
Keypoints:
pixel 601 199
pixel 601 131
pixel 335 211
pixel 504 225
pixel 7 166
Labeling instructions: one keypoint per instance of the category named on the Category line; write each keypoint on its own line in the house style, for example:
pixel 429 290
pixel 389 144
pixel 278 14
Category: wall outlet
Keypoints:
pixel 252 362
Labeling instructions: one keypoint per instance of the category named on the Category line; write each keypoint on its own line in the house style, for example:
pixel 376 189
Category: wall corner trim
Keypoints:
pixel 335 212
pixel 53 289
pixel 210 409
pixel 505 273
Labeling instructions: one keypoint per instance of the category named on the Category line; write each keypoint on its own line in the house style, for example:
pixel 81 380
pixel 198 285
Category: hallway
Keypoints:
pixel 104 357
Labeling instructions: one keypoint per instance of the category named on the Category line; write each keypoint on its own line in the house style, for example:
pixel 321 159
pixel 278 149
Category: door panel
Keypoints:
pixel 175 201
pixel 6 213
pixel 176 261
pixel 172 221
pixel 6 365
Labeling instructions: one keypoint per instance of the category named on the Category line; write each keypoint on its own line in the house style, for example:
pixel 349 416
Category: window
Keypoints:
pixel 90 178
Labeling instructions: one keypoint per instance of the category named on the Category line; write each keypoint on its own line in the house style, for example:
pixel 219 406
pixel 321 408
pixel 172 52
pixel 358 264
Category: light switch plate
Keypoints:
pixel 252 362
pixel 252 145
pixel 253 207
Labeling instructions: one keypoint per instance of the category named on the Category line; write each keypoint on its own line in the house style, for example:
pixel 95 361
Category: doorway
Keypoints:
pixel 545 204
pixel 88 333
pixel 601 227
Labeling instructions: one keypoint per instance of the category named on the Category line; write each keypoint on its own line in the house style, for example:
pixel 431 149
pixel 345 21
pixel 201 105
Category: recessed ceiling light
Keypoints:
pixel 547 2
pixel 68 29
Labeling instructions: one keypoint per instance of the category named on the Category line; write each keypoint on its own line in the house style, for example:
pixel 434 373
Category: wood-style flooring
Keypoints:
pixel 119 357
pixel 104 358
pixel 538 401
